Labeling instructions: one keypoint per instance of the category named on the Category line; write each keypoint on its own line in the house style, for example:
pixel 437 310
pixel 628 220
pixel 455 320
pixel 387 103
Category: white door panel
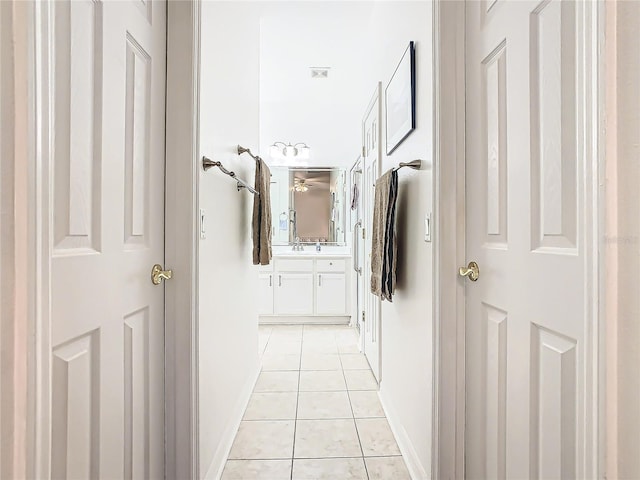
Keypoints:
pixel 526 327
pixel 108 65
pixel 371 164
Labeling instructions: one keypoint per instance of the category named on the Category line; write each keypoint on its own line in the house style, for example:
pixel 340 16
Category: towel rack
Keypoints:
pixel 242 150
pixel 207 164
pixel 415 164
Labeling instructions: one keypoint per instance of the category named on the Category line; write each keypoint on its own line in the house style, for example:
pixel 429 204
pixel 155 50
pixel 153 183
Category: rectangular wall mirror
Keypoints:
pixel 308 204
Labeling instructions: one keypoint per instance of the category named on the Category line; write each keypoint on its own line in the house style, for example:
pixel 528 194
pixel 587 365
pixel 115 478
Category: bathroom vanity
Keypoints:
pixel 305 287
pixel 302 284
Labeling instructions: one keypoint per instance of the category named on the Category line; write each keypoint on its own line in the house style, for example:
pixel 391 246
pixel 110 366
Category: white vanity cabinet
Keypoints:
pixel 294 294
pixel 265 293
pixel 331 287
pixel 305 289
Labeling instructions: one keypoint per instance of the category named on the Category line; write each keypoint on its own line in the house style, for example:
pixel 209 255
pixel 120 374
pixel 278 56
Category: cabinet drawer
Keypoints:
pixel 331 265
pixel 294 265
pixel 266 268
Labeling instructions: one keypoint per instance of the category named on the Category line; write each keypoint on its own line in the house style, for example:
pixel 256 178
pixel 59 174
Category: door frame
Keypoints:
pixel 449 240
pixel 448 455
pixel 18 243
pixel 31 448
pixel 181 239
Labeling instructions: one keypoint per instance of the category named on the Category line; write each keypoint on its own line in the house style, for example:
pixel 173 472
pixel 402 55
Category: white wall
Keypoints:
pixel 228 323
pixel 407 323
pixel 324 113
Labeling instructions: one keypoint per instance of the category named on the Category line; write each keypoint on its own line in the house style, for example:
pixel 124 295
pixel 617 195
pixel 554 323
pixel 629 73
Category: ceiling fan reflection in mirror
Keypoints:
pixel 301 185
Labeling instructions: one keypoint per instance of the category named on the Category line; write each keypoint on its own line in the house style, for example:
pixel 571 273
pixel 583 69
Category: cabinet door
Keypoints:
pixel 331 294
pixel 294 293
pixel 265 294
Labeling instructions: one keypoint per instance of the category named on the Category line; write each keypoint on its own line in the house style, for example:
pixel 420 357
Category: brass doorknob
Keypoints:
pixel 158 274
pixel 472 271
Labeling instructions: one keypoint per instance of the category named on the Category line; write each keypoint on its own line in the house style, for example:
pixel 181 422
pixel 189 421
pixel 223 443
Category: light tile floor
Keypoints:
pixel 314 413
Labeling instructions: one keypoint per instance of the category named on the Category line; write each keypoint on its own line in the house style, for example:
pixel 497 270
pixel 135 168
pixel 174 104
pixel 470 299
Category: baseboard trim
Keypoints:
pixel 214 472
pixel 302 320
pixel 416 469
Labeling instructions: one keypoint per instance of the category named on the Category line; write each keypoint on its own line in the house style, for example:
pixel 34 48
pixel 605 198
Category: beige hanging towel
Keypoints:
pixel 261 222
pixel 391 243
pixel 383 241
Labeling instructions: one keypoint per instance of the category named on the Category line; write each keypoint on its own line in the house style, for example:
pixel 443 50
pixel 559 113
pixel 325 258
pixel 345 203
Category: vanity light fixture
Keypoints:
pixel 288 151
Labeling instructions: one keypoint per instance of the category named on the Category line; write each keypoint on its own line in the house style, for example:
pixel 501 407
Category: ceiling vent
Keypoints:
pixel 319 72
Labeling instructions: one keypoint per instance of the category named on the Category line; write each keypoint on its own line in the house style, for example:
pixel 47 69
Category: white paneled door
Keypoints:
pixel 107 334
pixel 529 153
pixel 372 151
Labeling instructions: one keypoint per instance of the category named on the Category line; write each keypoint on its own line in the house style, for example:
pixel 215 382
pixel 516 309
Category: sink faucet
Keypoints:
pixel 297 246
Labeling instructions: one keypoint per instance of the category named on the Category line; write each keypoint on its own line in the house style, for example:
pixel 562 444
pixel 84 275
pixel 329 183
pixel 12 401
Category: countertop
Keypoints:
pixel 312 254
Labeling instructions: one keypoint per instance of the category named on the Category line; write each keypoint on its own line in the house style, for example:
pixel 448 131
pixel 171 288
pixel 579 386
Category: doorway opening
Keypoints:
pixel 312 75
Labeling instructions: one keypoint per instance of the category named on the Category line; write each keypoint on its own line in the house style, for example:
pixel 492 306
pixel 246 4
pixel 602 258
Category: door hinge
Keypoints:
pixel 363 154
pixel 363 317
pixel 363 235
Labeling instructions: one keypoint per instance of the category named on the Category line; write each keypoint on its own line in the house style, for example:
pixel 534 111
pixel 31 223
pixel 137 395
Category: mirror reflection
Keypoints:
pixel 308 205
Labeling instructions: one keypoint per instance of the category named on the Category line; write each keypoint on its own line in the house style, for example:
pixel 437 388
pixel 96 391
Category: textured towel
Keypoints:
pixel 355 195
pixel 261 223
pixel 383 236
pixel 391 244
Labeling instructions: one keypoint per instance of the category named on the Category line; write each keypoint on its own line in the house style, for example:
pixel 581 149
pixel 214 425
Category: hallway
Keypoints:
pixel 314 412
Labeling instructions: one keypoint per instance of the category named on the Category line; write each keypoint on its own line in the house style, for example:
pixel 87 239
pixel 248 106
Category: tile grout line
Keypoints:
pixel 295 421
pixel 262 353
pixel 272 336
pixel 264 349
pixel 271 459
pixel 355 424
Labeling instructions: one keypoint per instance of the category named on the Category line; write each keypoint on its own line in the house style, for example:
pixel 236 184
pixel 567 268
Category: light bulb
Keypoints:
pixel 290 151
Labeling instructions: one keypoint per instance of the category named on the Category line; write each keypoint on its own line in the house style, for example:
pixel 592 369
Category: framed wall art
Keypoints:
pixel 400 100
